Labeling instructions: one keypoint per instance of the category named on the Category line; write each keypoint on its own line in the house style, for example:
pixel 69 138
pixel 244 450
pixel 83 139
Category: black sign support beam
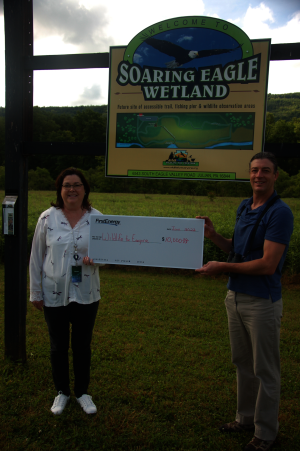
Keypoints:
pixel 279 52
pixel 18 129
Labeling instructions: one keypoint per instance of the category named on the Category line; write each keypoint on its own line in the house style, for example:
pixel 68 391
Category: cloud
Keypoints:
pixel 284 77
pixel 185 38
pixel 289 32
pixel 258 23
pixel 262 13
pixel 90 96
pixel 138 59
pixel 70 87
pixel 73 23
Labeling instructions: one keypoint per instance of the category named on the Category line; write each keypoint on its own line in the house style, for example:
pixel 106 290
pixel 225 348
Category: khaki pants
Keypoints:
pixel 254 330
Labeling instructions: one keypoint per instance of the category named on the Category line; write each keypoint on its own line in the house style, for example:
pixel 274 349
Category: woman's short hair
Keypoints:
pixel 86 205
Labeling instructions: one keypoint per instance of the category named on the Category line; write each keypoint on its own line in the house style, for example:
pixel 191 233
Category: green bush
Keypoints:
pixel 283 182
pixel 293 189
pixel 40 180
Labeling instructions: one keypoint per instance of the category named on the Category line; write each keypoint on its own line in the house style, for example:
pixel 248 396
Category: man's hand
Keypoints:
pixel 264 266
pixel 216 238
pixel 211 269
pixel 209 230
pixel 38 305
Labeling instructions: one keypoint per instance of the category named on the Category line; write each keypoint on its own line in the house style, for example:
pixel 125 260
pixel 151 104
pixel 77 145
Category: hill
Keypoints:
pixel 284 106
pixel 69 110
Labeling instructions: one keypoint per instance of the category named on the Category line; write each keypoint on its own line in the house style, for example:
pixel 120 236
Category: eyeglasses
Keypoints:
pixel 75 186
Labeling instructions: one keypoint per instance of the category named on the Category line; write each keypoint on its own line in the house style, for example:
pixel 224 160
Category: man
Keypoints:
pixel 254 303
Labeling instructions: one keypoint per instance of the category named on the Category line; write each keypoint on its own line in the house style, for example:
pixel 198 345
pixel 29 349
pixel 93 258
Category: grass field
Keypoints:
pixel 161 373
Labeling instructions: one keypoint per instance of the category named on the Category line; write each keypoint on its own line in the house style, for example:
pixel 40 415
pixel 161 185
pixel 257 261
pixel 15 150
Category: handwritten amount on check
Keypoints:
pixel 133 239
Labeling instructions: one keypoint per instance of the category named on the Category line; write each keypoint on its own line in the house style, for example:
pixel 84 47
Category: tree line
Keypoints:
pixel 284 106
pixel 88 124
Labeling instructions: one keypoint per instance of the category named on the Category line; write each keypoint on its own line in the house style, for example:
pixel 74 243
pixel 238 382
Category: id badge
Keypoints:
pixel 76 274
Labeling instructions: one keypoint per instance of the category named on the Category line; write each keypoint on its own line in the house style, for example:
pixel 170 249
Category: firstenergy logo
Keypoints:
pixel 108 222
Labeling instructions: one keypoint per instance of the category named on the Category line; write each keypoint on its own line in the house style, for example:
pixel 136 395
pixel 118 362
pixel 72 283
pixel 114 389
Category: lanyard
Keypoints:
pixel 77 269
pixel 76 256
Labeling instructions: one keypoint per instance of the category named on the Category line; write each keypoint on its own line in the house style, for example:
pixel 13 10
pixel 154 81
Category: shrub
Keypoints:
pixel 293 189
pixel 211 195
pixel 40 179
pixel 283 181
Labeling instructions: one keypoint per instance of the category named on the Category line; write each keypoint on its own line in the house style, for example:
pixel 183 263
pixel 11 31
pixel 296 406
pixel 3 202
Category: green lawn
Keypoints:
pixel 161 374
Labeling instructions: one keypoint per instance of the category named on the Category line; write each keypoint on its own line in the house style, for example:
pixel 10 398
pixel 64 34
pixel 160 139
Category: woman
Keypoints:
pixel 65 283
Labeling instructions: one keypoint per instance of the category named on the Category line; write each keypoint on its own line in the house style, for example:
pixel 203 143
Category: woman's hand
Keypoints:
pixel 88 261
pixel 38 304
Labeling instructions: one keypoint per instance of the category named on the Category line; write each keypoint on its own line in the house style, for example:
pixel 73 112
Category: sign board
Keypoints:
pixel 147 241
pixel 8 215
pixel 187 100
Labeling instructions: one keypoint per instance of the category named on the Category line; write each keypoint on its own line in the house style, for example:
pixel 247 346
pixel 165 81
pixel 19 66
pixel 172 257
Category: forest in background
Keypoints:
pixel 88 124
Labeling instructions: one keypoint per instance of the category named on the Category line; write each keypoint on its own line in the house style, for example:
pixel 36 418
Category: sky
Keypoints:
pixel 92 26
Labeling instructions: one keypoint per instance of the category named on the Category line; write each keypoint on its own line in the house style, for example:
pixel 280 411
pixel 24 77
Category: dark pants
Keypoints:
pixel 82 317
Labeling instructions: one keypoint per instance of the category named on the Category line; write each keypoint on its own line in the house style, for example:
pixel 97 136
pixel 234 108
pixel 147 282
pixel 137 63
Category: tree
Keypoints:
pixel 90 126
pixel 43 124
pixel 283 181
pixel 293 189
pixel 270 121
pixel 296 122
pixel 280 132
pixel 40 180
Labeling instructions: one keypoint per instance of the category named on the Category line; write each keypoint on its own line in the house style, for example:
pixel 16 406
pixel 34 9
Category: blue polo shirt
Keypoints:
pixel 276 225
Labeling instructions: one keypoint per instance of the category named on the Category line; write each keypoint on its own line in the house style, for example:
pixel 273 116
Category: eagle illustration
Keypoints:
pixel 181 55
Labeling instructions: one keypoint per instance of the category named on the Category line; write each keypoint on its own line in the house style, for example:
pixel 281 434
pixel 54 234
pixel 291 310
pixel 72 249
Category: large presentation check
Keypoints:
pixel 147 241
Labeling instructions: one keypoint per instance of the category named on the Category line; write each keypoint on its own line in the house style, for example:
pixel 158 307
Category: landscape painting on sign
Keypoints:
pixel 186 130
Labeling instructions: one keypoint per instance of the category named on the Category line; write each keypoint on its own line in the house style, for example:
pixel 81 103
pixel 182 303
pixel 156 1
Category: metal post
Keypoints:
pixel 18 21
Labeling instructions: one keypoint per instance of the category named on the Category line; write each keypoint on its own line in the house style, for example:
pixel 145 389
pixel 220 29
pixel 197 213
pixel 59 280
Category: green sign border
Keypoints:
pixel 191 175
pixel 211 23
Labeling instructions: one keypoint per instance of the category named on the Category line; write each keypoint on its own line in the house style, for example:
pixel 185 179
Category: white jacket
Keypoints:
pixel 51 261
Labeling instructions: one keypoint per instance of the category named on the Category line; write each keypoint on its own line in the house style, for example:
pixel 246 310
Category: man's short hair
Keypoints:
pixel 268 156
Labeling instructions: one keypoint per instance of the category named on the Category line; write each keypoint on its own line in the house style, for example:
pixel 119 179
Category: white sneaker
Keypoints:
pixel 87 404
pixel 60 403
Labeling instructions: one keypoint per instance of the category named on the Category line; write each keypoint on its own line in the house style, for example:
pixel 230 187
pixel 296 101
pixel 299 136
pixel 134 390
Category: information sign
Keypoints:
pixel 187 100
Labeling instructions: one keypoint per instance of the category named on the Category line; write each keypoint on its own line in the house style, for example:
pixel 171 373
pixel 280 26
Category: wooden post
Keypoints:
pixel 18 18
